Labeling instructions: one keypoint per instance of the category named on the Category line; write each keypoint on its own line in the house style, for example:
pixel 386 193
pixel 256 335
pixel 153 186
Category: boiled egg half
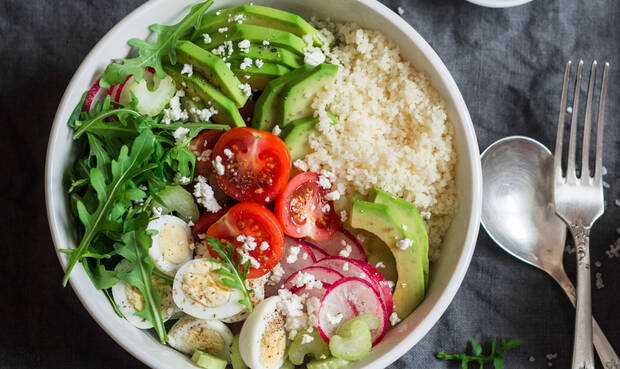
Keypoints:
pixel 262 341
pixel 198 291
pixel 172 245
pixel 189 334
pixel 257 285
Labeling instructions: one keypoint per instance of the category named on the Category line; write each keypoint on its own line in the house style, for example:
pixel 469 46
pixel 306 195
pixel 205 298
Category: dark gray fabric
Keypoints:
pixel 508 64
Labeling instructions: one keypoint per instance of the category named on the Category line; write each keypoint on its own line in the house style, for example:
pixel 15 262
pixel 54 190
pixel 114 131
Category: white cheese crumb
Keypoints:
pixel 203 114
pixel 246 88
pixel 343 216
pixel 265 43
pixel 379 265
pixel 175 112
pixel 323 357
pixel 326 208
pixel 394 319
pixel 404 227
pixel 404 244
pixel 180 134
pixel 157 210
pixel 207 38
pixel 301 165
pixel 222 29
pixel 247 62
pixel 333 196
pixel 276 274
pixel 345 252
pixel 324 182
pixel 345 267
pixel 205 196
pixel 244 46
pixel 390 284
pixel 264 246
pixel 307 280
pixel 294 253
pixel 228 153
pixel 196 98
pixel 306 338
pixel 187 69
pixel 277 130
pixel 312 308
pixel 400 10
pixel 259 63
pixel 291 306
pixel 314 57
pixel 219 167
pixel 204 156
pixel 248 242
pixel 334 319
pixel 181 179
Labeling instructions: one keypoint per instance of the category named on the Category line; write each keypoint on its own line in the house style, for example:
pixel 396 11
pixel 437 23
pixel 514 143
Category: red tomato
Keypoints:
pixel 253 165
pixel 300 209
pixel 204 141
pixel 255 220
pixel 206 219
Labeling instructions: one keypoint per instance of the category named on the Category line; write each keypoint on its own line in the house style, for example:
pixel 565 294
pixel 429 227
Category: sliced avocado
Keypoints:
pixel 196 85
pixel 382 221
pixel 256 34
pixel 258 16
pixel 409 215
pixel 258 77
pixel 213 69
pixel 266 108
pixel 296 97
pixel 378 252
pixel 298 132
pixel 269 54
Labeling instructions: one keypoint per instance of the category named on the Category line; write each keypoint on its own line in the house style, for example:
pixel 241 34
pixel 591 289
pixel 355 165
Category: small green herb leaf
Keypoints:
pixel 494 357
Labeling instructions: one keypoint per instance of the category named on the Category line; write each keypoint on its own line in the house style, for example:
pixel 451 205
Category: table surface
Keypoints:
pixel 508 64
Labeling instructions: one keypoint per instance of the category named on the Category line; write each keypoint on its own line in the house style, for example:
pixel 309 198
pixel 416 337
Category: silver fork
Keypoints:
pixel 579 201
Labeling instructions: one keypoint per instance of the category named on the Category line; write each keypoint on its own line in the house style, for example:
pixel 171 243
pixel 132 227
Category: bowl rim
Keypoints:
pixel 472 226
pixel 499 3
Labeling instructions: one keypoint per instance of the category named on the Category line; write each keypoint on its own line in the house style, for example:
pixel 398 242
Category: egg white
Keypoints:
pixel 262 341
pixel 229 297
pixel 257 285
pixel 189 334
pixel 182 244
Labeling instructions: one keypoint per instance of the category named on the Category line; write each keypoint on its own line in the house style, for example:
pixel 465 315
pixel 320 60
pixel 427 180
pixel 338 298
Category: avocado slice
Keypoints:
pixel 296 96
pixel 298 132
pixel 258 77
pixel 409 215
pixel 382 221
pixel 266 108
pixel 259 16
pixel 213 69
pixel 196 85
pixel 256 34
pixel 269 54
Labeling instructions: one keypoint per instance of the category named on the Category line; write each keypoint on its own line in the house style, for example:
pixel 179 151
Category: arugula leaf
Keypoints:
pixel 134 246
pixel 236 272
pixel 151 54
pixel 496 358
pixel 127 166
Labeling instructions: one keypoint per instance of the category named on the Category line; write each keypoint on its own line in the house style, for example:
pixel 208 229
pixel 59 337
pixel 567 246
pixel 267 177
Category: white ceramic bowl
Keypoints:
pixel 499 3
pixel 446 274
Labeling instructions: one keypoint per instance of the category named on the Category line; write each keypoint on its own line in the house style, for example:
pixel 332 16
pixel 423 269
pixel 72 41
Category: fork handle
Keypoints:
pixel 583 357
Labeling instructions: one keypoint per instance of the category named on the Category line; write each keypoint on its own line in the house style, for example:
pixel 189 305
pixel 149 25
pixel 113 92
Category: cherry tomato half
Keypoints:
pixel 205 221
pixel 251 165
pixel 204 141
pixel 303 210
pixel 255 220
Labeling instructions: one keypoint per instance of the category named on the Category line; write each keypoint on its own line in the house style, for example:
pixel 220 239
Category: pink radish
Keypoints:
pixel 343 244
pixel 327 276
pixel 361 269
pixel 346 299
pixel 91 95
pixel 295 256
pixel 318 252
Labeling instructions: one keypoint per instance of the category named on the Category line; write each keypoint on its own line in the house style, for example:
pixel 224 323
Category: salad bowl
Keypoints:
pixel 447 272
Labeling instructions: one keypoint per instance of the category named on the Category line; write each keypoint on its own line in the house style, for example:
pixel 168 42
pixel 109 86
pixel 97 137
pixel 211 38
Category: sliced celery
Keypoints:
pixel 235 355
pixel 353 341
pixel 329 363
pixel 313 345
pixel 208 361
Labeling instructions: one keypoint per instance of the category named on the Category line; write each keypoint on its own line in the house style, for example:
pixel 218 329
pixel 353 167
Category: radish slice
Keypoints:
pixel 346 299
pixel 360 269
pixel 327 276
pixel 92 95
pixel 295 256
pixel 316 251
pixel 343 244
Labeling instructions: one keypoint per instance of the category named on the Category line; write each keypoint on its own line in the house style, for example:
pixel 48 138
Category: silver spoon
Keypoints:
pixel 518 214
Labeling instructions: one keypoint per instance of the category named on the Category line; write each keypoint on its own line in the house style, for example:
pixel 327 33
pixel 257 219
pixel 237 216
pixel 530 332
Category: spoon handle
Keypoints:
pixel 605 352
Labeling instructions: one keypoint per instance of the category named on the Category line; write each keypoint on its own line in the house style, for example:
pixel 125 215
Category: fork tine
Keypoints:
pixel 585 154
pixel 572 144
pixel 599 130
pixel 557 157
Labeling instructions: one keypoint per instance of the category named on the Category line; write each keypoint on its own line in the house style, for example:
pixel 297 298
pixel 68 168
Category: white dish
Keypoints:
pixel 499 3
pixel 446 275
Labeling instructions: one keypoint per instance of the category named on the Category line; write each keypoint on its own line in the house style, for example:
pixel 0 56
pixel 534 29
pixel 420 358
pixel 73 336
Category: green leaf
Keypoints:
pixel 236 271
pixel 125 168
pixel 476 347
pixel 151 54
pixel 135 248
pixel 101 277
pixel 478 357
pixel 75 114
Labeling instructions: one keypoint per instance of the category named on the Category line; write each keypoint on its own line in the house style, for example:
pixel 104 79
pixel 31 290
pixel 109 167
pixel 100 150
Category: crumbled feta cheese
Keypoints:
pixel 265 43
pixel 400 10
pixel 332 196
pixel 181 179
pixel 405 227
pixel 195 98
pixel 291 306
pixel 175 112
pixel 228 153
pixel 246 88
pixel 205 196
pixel 345 252
pixel 228 65
pixel 180 134
pixel 307 280
pixel 187 69
pixel 394 319
pixel 314 57
pixel 247 62
pixel 390 284
pixel 157 210
pixel 324 182
pixel 326 208
pixel 267 199
pixel 207 38
pixel 323 357
pixel 204 114
pixel 345 267
pixel 404 244
pixel 334 319
pixel 379 265
pixel 312 307
pixel 276 274
pixel 204 156
pixel 277 130
pixel 294 253
pixel 301 165
pixel 264 246
pixel 259 63
pixel 222 29
pixel 248 242
pixel 244 46
pixel 306 338
pixel 343 216
pixel 219 167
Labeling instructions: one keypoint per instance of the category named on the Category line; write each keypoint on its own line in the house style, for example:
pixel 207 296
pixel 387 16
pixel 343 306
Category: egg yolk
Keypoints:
pixel 173 243
pixel 204 339
pixel 202 286
pixel 273 341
